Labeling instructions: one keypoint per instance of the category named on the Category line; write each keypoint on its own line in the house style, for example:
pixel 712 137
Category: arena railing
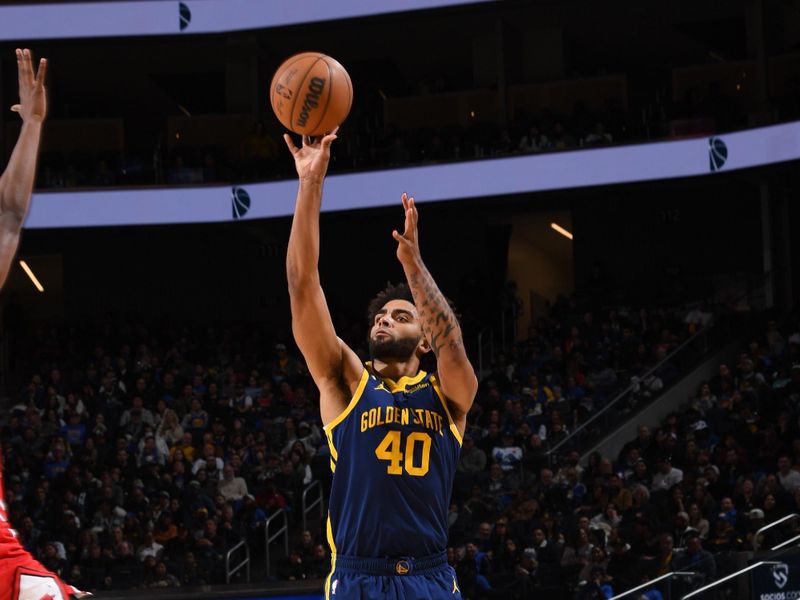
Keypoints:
pixel 787 543
pixel 757 536
pixel 505 330
pixel 653 582
pixel 626 403
pixel 718 582
pixel 282 531
pixel 230 572
pixel 318 501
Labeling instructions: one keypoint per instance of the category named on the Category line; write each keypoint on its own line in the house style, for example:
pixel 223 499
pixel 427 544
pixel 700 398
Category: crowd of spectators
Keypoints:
pixel 369 142
pixel 687 494
pixel 261 155
pixel 140 460
pixel 133 463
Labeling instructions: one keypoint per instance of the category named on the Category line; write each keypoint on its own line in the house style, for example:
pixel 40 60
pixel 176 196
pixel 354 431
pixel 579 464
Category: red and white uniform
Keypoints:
pixel 22 577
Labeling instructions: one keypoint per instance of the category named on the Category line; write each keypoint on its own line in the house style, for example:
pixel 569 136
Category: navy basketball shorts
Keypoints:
pixel 356 578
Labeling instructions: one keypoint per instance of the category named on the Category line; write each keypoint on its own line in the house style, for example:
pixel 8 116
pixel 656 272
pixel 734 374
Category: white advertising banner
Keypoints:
pixel 166 17
pixel 454 181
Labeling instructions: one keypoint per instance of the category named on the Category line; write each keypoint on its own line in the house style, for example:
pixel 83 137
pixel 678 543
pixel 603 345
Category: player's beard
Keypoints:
pixel 389 349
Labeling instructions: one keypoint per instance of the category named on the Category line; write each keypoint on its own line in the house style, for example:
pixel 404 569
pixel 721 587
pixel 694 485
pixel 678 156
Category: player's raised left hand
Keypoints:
pixel 312 157
pixel 408 243
pixel 32 105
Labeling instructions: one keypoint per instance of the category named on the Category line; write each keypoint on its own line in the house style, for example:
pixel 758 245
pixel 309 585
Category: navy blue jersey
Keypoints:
pixel 394 453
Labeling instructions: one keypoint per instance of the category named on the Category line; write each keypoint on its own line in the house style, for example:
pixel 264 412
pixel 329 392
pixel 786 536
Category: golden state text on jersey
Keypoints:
pixel 394 453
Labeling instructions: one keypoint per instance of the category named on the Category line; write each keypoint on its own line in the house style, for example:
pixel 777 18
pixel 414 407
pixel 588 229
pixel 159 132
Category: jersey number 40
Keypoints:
pixel 391 450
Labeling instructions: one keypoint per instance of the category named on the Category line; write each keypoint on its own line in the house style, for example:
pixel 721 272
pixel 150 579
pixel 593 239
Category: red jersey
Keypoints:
pixel 22 577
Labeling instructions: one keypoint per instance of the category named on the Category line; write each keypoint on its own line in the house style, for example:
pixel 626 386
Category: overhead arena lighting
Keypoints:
pixel 561 230
pixel 30 274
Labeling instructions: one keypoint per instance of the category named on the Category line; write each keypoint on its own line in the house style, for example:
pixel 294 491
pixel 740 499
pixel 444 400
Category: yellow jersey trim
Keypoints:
pixel 333 558
pixel 453 428
pixel 343 415
pixel 332 448
pixel 401 384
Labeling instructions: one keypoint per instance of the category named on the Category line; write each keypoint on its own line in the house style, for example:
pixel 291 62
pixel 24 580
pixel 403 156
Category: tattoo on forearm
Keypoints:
pixel 438 320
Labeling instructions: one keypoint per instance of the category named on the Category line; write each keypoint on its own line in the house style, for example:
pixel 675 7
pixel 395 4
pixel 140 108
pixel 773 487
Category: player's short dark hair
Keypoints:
pixel 400 291
pixel 391 292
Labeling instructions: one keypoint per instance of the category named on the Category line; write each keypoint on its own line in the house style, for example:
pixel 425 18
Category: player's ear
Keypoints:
pixel 423 347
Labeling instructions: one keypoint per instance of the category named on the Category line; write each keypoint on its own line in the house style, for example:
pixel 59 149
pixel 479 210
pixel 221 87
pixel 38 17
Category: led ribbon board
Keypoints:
pixel 470 179
pixel 166 17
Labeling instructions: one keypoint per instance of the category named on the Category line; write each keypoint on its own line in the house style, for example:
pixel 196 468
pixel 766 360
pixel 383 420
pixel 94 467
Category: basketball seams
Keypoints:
pixel 305 89
pixel 285 67
pixel 329 99
pixel 282 69
pixel 302 87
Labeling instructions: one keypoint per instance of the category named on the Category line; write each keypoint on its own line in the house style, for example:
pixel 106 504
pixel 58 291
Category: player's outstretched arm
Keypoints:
pixel 332 364
pixel 16 183
pixel 439 323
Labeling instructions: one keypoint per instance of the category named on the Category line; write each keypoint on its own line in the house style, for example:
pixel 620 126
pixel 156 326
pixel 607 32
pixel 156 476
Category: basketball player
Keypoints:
pixel 21 575
pixel 394 430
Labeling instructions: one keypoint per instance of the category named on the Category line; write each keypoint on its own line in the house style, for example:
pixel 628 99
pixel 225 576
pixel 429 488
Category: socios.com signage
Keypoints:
pixel 470 179
pixel 777 582
pixel 164 17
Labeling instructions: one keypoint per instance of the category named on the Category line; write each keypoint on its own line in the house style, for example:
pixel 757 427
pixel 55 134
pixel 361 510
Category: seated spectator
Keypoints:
pixel 196 420
pixel 150 548
pixel 53 559
pixel 74 432
pixel 697 521
pixel 607 520
pixel 695 558
pixel 125 570
pixel 169 429
pixel 191 572
pixel 165 529
pixel 666 475
pixel 473 572
pixel 597 587
pixel 211 546
pixel 57 461
pixel 185 446
pixel 319 564
pixel 161 578
pixel 508 455
pixel 597 559
pixel 232 488
pixel 618 494
pixel 639 475
pixel 210 463
pixel 788 477
pixel 681 529
pixel 505 561
pixel 294 569
pixel 622 565
pixel 95 568
pixel 251 515
pixel 533 141
pixel 499 487
pixel 472 459
pixel 577 554
pixel 724 538
pixel 152 450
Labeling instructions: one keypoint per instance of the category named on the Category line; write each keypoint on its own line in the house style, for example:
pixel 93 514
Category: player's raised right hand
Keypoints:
pixel 311 159
pixel 32 98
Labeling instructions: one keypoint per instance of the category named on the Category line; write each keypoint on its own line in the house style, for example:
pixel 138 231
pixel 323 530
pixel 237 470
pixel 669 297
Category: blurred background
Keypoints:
pixel 639 362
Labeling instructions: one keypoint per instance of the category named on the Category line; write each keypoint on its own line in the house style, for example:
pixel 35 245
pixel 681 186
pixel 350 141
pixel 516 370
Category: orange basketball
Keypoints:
pixel 311 93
